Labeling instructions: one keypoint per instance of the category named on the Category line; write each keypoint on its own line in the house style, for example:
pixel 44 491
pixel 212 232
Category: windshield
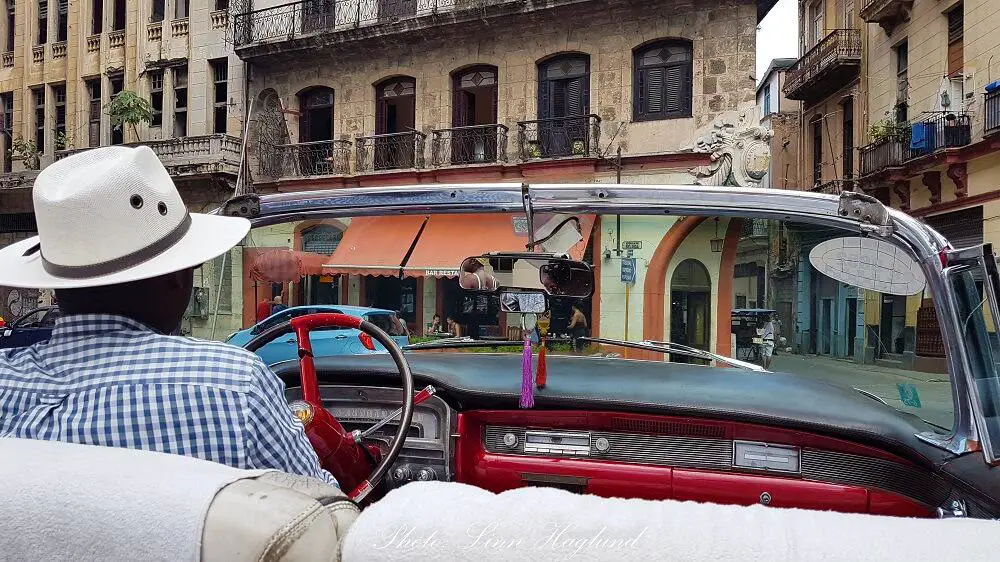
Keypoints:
pixel 797 298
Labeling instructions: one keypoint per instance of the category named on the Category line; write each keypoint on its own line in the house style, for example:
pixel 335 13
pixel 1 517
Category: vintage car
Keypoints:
pixel 32 327
pixel 460 449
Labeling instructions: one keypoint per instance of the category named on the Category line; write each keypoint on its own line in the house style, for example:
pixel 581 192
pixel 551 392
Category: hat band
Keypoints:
pixel 122 263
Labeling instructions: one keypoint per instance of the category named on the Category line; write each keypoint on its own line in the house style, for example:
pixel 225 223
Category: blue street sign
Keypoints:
pixel 628 270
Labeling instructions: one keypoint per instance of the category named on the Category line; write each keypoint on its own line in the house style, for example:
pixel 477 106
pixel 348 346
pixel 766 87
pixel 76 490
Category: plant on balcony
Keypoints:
pixel 128 108
pixel 64 141
pixel 26 151
pixel 888 129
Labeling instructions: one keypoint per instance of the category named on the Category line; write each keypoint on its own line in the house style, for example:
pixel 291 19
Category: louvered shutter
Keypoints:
pixel 574 97
pixel 558 99
pixel 585 93
pixel 544 99
pixel 655 94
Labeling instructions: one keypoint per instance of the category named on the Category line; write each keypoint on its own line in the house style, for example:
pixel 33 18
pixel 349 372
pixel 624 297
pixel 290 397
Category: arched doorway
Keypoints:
pixel 690 306
pixel 315 155
pixel 321 239
pixel 474 111
pixel 563 104
pixel 395 122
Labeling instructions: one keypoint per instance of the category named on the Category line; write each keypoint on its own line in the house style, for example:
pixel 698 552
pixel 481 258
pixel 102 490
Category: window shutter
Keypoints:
pixel 640 89
pixel 585 93
pixel 558 99
pixel 656 95
pixel 544 101
pixel 574 97
pixel 956 57
pixel 458 108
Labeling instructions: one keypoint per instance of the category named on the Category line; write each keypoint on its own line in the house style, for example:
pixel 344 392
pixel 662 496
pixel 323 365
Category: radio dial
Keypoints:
pixel 426 474
pixel 402 474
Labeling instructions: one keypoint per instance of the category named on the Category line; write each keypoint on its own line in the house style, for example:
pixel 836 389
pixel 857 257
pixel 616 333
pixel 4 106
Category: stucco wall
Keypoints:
pixel 723 36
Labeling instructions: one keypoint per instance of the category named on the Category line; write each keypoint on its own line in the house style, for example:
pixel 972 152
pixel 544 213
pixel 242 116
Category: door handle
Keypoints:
pixel 340 337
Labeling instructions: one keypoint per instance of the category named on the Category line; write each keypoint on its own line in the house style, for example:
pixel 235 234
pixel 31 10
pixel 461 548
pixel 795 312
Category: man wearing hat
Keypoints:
pixel 119 248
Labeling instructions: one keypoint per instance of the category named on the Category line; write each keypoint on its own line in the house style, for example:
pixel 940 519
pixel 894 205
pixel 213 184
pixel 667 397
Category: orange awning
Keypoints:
pixel 282 265
pixel 449 239
pixel 374 246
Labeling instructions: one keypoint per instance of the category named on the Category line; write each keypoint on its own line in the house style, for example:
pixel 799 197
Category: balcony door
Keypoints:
pixel 317 15
pixel 563 104
pixel 395 117
pixel 474 111
pixel 315 126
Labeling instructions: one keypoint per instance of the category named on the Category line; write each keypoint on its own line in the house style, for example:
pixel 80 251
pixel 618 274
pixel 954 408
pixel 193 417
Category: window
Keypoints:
pixel 815 34
pixel 316 114
pixel 181 9
pixel 38 97
pixel 10 25
pixel 159 8
pixel 662 81
pixel 766 99
pixel 956 32
pixel 94 113
pixel 221 4
pixel 848 15
pixel 59 95
pixel 848 125
pixel 117 85
pixel 220 86
pixel 180 101
pixel 902 81
pixel 156 97
pixel 43 22
pixel 118 19
pixel 62 20
pixel 7 127
pixel 97 17
pixel 817 127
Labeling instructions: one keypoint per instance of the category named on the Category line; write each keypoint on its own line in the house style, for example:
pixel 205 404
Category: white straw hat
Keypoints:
pixel 112 215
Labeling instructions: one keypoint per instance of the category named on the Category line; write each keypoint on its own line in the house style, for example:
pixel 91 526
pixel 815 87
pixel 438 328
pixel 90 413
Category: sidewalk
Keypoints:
pixel 933 389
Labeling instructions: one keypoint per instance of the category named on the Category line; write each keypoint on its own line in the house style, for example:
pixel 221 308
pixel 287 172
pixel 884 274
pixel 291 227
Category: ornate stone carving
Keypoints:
pixel 740 149
pixel 901 188
pixel 933 182
pixel 960 175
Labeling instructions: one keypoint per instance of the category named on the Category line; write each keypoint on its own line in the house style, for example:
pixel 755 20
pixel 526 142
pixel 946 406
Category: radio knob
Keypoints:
pixel 426 474
pixel 402 474
pixel 510 440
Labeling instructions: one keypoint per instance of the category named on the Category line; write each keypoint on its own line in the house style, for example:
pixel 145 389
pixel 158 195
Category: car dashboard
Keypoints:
pixel 578 439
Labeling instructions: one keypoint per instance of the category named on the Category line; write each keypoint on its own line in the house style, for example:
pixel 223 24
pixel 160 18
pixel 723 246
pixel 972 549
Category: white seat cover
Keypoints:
pixel 448 521
pixel 78 502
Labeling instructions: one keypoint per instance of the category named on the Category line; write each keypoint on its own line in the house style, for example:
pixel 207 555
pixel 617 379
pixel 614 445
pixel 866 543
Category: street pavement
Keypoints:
pixel 933 389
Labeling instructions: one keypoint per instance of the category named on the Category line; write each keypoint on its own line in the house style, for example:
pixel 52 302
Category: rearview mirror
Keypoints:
pixel 521 301
pixel 555 275
pixel 868 263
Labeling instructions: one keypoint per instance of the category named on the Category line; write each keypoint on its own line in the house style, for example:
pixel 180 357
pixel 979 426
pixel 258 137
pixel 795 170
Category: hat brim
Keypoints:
pixel 209 237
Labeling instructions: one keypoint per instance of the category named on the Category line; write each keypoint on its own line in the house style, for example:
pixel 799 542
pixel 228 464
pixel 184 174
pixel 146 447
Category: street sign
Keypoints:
pixel 628 270
pixel 632 245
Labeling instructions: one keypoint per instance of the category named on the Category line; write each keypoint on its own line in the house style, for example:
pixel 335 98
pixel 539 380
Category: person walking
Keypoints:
pixel 578 328
pixel 277 305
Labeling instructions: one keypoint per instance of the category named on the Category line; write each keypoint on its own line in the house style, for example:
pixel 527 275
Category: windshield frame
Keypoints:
pixel 852 212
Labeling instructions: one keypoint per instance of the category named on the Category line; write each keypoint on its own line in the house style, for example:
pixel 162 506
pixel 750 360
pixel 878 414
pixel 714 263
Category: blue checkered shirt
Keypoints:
pixel 111 381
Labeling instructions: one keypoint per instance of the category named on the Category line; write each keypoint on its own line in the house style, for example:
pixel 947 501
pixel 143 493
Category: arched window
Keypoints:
pixel 564 87
pixel 395 110
pixel 661 81
pixel 321 239
pixel 316 114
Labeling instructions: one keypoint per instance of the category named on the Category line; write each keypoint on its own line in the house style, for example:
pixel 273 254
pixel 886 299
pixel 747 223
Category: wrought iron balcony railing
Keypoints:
pixel 889 152
pixel 393 151
pixel 826 67
pixel 915 140
pixel 288 21
pixel 317 158
pixel 559 137
pixel 992 112
pixel 190 155
pixel 474 144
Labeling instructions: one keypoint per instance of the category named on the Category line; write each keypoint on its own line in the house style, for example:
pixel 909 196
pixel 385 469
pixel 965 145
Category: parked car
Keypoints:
pixel 342 341
pixel 33 327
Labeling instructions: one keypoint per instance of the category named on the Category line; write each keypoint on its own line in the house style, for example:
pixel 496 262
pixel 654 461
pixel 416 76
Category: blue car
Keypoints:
pixel 341 341
pixel 33 327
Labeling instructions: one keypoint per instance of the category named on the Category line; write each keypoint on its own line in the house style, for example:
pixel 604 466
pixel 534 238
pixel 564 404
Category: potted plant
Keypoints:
pixel 534 149
pixel 128 108
pixel 64 141
pixel 26 152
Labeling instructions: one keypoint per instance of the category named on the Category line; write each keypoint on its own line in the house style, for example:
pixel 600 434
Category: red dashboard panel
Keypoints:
pixel 497 472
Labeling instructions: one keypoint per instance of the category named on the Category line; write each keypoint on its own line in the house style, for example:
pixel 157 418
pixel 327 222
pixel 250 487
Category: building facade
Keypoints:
pixel 397 93
pixel 64 61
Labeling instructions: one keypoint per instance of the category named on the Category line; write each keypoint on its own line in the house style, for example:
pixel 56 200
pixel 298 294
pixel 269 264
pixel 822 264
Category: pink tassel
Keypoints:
pixel 527 382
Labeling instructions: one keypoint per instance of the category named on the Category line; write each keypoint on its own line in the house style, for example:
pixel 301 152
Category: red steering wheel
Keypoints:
pixel 358 466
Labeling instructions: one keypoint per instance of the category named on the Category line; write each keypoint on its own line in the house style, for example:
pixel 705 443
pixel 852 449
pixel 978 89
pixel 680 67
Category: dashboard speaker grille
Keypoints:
pixel 668 428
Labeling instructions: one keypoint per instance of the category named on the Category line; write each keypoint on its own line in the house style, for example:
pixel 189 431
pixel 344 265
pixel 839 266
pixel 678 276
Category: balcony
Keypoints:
pixel 93 43
pixel 992 112
pixel 17 180
pixel 8 59
pixel 393 151
pixel 190 156
pixel 832 63
pixel 911 142
pixel 116 39
pixel 59 50
pixel 289 26
pixel 38 53
pixel 558 137
pixel 887 13
pixel 476 144
pixel 318 158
